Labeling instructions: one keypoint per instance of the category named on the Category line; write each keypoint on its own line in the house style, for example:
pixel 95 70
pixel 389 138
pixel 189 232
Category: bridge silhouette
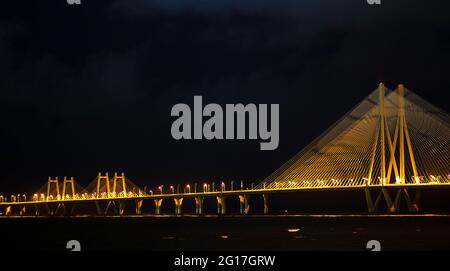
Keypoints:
pixel 390 146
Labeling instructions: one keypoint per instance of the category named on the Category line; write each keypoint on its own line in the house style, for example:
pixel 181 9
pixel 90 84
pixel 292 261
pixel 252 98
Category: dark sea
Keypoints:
pixel 228 233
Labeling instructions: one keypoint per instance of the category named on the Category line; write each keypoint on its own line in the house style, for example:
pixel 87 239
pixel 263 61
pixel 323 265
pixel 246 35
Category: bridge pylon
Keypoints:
pixel 388 146
pixel 51 182
pixel 391 139
pixel 103 178
pixel 119 179
pixel 404 136
pixel 71 183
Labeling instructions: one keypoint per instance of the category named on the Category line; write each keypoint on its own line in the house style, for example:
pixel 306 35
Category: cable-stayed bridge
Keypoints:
pixel 390 146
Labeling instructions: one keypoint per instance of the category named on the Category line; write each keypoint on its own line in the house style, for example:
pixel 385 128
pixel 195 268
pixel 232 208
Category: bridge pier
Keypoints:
pixel 49 209
pixel 393 206
pixel 60 207
pixel 139 204
pixel 244 205
pixel 113 204
pixel 72 209
pixel 158 204
pixel 8 210
pixel 413 206
pixel 52 208
pixel 36 210
pixel 122 205
pixel 371 206
pixel 178 205
pixel 118 207
pixel 63 207
pixel 97 207
pixel 22 210
pixel 199 205
pixel 221 205
pixel 266 203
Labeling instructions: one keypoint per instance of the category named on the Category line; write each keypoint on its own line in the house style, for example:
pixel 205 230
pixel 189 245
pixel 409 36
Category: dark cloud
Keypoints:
pixel 90 88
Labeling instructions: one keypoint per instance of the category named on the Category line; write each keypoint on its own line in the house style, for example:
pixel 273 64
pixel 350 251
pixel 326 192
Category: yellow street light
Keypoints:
pixel 188 187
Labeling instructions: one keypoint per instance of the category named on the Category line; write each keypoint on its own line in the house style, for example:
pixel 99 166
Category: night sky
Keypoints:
pixel 89 88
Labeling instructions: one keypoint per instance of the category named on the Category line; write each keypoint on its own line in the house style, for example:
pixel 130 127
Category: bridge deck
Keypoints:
pixel 237 193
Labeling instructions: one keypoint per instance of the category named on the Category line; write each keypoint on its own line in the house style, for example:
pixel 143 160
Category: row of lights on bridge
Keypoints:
pixel 160 190
pixel 14 198
pixel 205 188
pixel 187 189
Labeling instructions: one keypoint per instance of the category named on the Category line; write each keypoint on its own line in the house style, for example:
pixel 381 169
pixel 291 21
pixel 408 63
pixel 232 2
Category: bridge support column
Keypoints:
pixel 244 206
pixel 122 205
pixel 51 210
pixel 23 210
pixel 199 205
pixel 62 207
pixel 393 206
pixel 139 204
pixel 118 207
pixel 221 205
pixel 110 203
pixel 8 210
pixel 65 209
pixel 158 204
pixel 72 209
pixel 97 207
pixel 413 206
pixel 371 206
pixel 390 206
pixel 266 203
pixel 178 205
pixel 37 211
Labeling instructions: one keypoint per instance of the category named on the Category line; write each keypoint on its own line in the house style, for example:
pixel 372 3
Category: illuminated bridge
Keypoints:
pixel 391 146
